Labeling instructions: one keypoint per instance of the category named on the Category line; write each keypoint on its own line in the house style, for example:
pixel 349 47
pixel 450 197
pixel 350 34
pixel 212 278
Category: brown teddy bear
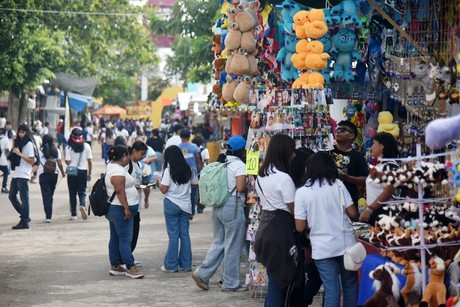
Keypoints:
pixel 240 63
pixel 219 66
pixel 216 44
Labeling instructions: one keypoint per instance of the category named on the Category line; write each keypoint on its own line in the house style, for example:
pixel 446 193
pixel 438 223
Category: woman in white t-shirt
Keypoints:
pixel 78 153
pixel 275 236
pixel 323 204
pixel 229 223
pixel 122 189
pixel 176 183
pixel 47 179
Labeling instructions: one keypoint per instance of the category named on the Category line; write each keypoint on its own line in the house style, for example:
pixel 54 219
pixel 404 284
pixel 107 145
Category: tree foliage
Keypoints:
pixel 54 38
pixel 190 22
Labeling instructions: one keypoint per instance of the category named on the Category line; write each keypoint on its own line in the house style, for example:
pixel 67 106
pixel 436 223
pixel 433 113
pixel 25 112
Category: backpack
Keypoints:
pixel 213 184
pixel 98 199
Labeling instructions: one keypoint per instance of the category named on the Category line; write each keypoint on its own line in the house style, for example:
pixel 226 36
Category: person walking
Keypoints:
pixel 158 145
pixel 325 206
pixel 46 179
pixel 175 139
pixel 229 223
pixel 78 154
pixel 191 154
pixel 176 183
pixel 5 148
pixel 275 243
pixel 22 160
pixel 122 189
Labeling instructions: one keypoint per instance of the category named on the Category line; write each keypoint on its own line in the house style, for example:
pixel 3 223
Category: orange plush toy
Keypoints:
pixel 435 292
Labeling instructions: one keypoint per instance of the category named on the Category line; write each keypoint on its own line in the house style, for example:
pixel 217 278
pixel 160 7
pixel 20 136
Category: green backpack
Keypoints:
pixel 213 185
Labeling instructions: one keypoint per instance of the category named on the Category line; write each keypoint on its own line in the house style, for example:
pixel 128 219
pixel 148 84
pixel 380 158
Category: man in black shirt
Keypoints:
pixel 158 145
pixel 353 169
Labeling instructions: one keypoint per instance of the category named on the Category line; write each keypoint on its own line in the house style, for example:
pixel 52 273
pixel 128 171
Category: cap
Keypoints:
pixel 76 136
pixel 185 134
pixel 236 142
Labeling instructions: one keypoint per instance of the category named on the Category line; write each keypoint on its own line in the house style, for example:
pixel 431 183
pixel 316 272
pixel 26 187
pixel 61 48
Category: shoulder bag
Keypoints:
pixel 73 170
pixel 354 256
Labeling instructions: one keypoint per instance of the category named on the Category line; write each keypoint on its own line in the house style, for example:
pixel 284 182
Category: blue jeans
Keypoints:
pixel 229 229
pixel 121 234
pixel 329 270
pixel 6 171
pixel 193 198
pixel 47 186
pixel 77 185
pixel 275 295
pixel 20 185
pixel 157 165
pixel 178 256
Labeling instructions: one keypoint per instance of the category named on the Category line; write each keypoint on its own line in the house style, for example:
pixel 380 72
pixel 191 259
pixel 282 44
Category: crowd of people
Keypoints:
pixel 306 198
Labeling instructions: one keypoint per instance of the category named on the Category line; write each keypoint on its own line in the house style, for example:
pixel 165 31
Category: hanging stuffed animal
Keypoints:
pixel 442 131
pixel 387 286
pixel 344 54
pixel 435 291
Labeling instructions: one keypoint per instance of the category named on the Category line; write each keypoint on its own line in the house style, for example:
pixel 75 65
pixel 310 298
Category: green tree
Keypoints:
pixel 190 22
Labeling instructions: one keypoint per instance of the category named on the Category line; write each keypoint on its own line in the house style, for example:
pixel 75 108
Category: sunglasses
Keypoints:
pixel 342 130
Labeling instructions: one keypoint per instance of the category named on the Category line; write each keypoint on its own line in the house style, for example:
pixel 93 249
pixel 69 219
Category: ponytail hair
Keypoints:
pixel 117 152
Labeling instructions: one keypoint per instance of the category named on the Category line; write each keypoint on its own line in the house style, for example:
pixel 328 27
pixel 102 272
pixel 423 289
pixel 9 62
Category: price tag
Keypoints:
pixel 252 162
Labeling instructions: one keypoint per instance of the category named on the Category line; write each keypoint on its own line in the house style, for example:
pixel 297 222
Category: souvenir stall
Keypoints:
pixel 389 66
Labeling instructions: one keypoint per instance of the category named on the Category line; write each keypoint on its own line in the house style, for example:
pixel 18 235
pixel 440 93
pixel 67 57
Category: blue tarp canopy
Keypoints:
pixel 77 102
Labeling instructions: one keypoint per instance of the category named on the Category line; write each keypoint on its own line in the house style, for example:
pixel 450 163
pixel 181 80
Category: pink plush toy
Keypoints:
pixel 441 131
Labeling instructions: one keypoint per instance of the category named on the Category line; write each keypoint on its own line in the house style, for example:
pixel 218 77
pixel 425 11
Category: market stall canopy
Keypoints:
pixel 76 101
pixel 72 83
pixel 110 110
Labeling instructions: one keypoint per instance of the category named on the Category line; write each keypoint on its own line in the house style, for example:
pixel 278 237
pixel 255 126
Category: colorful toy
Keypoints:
pixel 412 291
pixel 385 120
pixel 288 71
pixel 344 54
pixel 316 27
pixel 300 19
pixel 387 285
pixel 316 59
pixel 435 292
pixel 298 58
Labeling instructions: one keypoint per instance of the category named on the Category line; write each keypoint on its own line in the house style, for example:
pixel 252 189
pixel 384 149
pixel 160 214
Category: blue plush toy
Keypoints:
pixel 344 54
pixel 290 8
pixel 288 71
pixel 348 12
pixel 327 43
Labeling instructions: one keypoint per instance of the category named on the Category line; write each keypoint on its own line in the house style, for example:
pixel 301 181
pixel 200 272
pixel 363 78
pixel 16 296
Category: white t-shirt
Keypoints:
pixel 328 221
pixel 73 157
pixel 234 169
pixel 123 133
pixel 89 134
pixel 278 190
pixel 44 131
pixel 174 140
pixel 179 194
pixel 204 156
pixel 132 196
pixel 24 169
pixel 43 160
pixel 5 145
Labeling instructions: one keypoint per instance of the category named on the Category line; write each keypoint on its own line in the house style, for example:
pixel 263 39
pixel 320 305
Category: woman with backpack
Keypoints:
pixel 176 184
pixel 78 157
pixel 49 157
pixel 229 223
pixel 124 205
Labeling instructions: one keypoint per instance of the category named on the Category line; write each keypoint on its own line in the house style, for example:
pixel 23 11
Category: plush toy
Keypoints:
pixel 316 80
pixel 348 12
pixel 412 291
pixel 228 64
pixel 242 91
pixel 233 37
pixel 435 291
pixel 216 44
pixel 453 273
pixel 316 27
pixel 316 59
pixel 298 58
pixel 388 222
pixel 387 285
pixel 385 120
pixel 440 132
pixel 327 43
pixel 248 41
pixel 300 19
pixel 302 81
pixel 331 21
pixel 244 18
pixel 229 88
pixel 424 74
pixel 240 63
pixel 344 54
pixel 219 66
pixel 290 8
pixel 253 68
pixel 288 71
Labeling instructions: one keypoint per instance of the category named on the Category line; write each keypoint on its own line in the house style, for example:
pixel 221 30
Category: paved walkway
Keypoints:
pixel 66 262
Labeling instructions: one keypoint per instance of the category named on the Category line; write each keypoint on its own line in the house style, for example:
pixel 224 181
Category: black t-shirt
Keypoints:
pixel 156 144
pixel 206 133
pixel 354 164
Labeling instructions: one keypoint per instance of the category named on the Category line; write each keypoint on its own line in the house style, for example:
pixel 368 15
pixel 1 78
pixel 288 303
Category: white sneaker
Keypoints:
pixel 83 213
pixel 47 221
pixel 137 263
pixel 72 218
